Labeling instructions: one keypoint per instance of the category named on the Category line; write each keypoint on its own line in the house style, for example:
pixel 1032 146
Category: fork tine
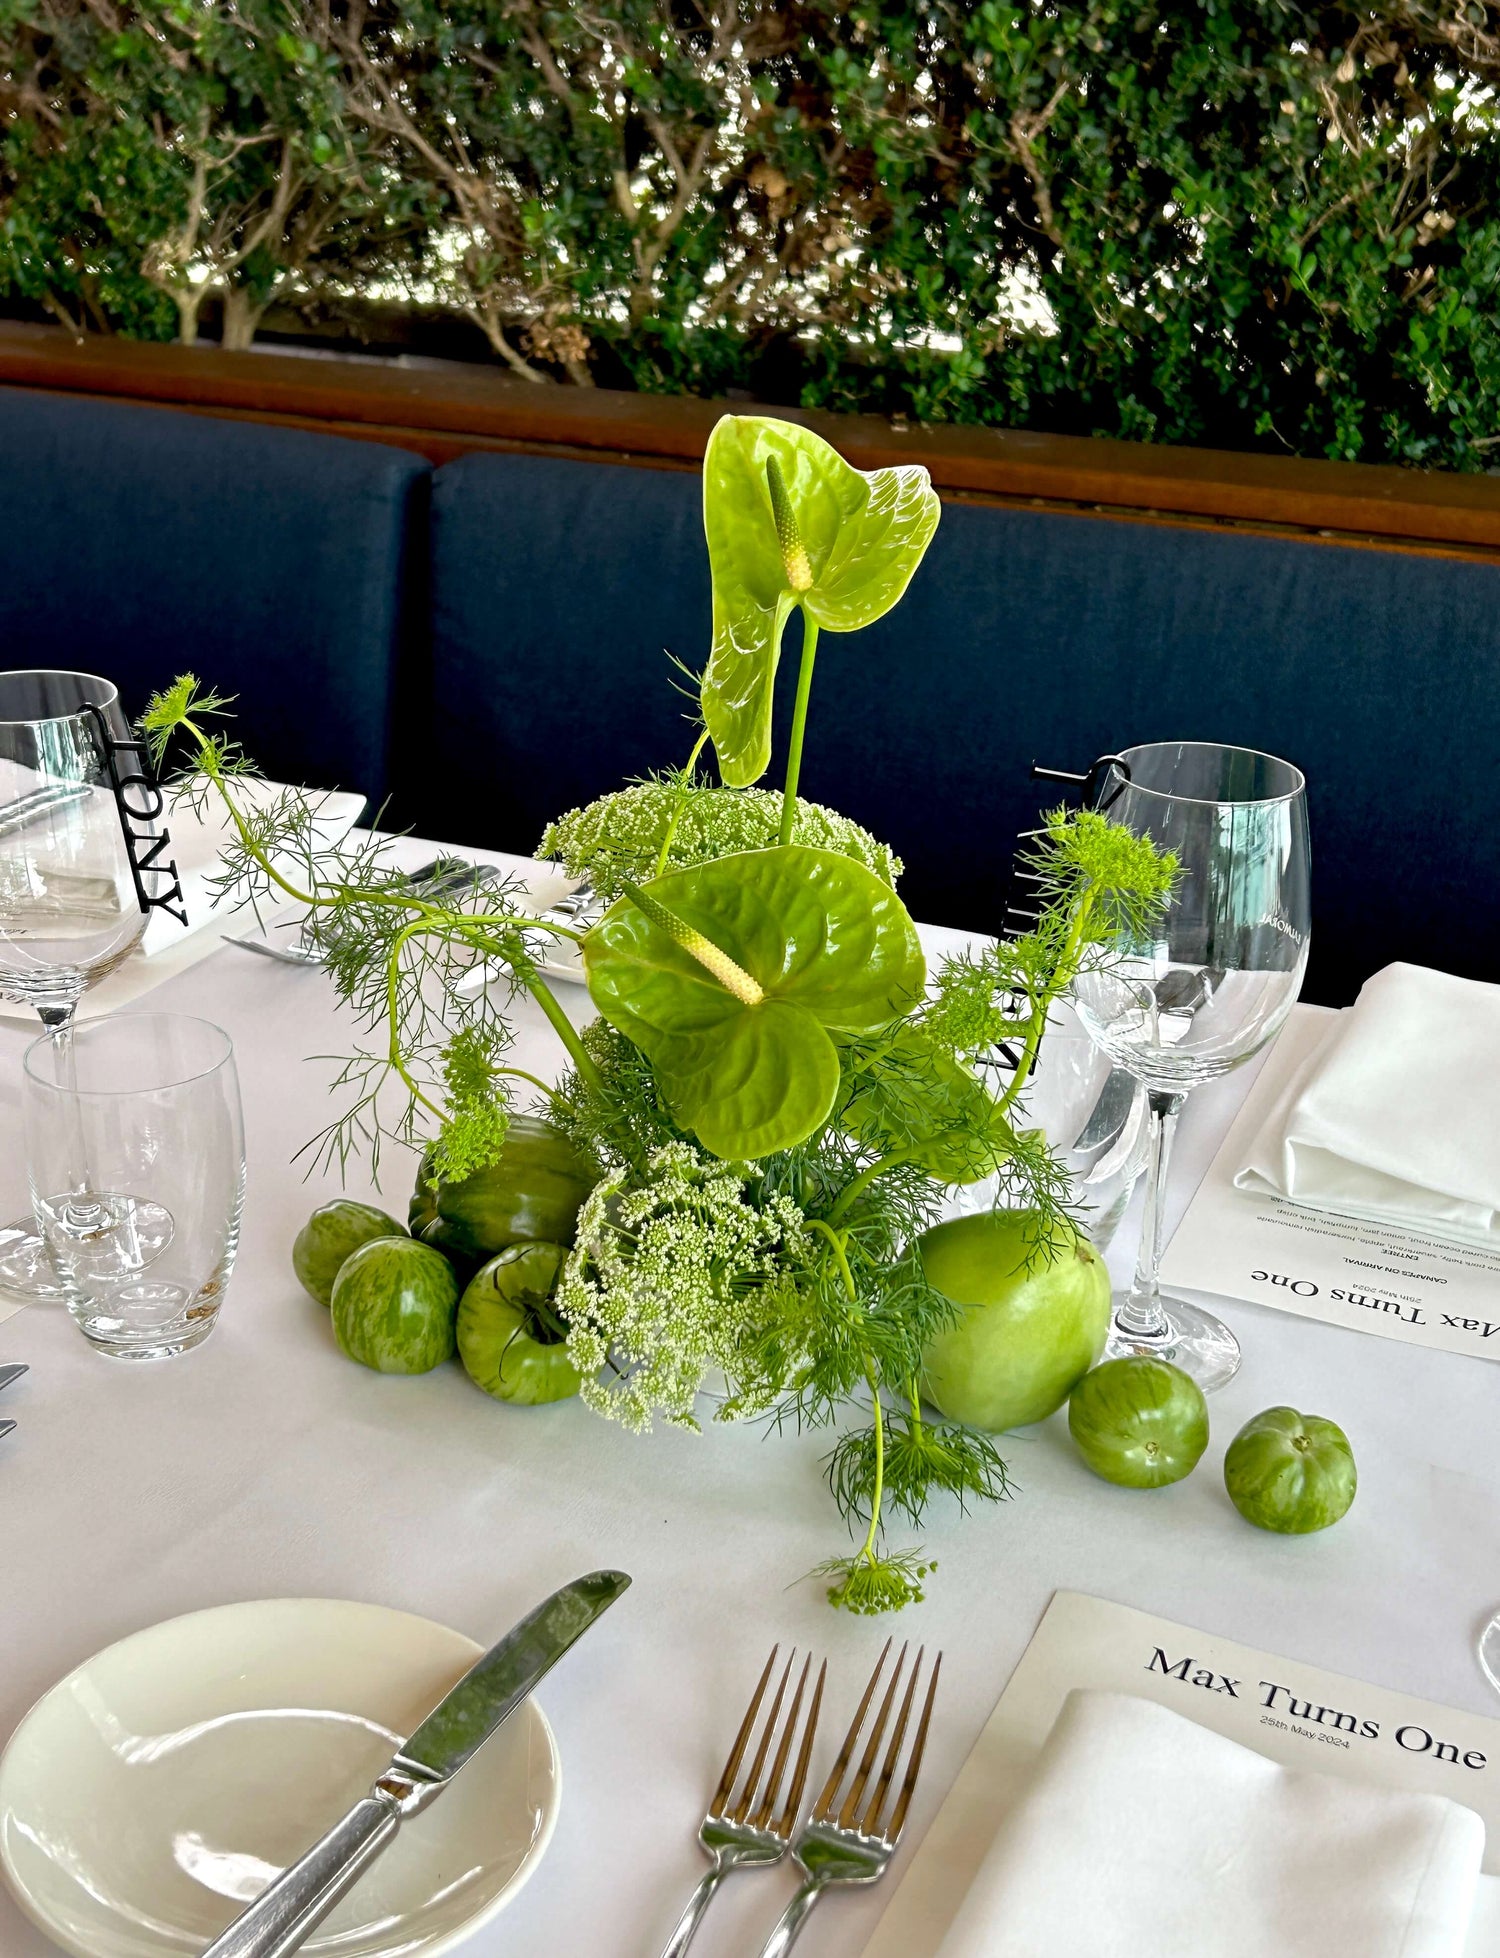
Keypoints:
pixel 850 1809
pixel 5 1427
pixel 824 1804
pixel 778 1767
pixel 737 1752
pixel 747 1793
pixel 903 1800
pixel 870 1826
pixel 783 1825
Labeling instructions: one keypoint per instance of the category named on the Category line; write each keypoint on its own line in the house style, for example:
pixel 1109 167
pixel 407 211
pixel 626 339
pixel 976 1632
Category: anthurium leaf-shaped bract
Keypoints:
pixel 790 523
pixel 733 976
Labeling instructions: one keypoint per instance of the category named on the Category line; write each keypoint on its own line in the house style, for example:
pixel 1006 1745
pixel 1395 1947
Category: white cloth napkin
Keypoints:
pixel 1392 1117
pixel 198 839
pixel 1145 1833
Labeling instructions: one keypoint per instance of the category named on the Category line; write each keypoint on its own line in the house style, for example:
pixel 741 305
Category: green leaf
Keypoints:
pixel 918 1099
pixel 845 550
pixel 829 948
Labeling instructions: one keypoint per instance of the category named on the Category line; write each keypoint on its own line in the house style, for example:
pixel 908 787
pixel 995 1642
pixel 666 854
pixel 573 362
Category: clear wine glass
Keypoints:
pixel 1203 988
pixel 80 822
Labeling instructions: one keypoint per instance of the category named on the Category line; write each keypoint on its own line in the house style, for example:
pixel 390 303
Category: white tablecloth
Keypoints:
pixel 267 1465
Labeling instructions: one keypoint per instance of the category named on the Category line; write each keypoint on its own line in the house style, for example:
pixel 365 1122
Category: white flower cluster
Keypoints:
pixel 620 834
pixel 666 1280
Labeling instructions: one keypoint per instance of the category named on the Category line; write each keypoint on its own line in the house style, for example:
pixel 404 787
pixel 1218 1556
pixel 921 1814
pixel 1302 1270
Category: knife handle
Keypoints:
pixel 292 1906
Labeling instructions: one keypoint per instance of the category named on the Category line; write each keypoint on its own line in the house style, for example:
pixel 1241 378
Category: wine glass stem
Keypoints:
pixel 1141 1316
pixel 58 1020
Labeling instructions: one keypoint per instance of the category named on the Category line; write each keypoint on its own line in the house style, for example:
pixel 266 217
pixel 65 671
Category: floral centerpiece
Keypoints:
pixel 776 1095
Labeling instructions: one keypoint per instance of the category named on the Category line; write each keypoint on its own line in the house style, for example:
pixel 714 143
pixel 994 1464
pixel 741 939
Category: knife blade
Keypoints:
pixel 292 1906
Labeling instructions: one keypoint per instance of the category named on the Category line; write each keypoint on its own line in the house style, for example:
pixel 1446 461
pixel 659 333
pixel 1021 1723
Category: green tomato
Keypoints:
pixel 327 1238
pixel 1035 1319
pixel 1139 1422
pixel 394 1303
pixel 509 1340
pixel 1290 1472
pixel 533 1193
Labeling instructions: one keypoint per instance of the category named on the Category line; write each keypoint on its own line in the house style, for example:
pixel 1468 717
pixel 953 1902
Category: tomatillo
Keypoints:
pixel 1290 1472
pixel 510 1338
pixel 1139 1422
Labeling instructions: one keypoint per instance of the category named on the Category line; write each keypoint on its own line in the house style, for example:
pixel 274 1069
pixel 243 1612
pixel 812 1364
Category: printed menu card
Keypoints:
pixel 1291 1713
pixel 1374 1278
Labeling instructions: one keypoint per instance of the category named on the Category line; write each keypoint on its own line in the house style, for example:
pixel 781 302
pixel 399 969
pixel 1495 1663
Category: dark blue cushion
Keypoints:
pixel 142 542
pixel 1025 635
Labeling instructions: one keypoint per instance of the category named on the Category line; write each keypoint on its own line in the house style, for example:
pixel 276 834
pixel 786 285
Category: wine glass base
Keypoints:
pixel 26 1270
pixel 1192 1339
pixel 1488 1648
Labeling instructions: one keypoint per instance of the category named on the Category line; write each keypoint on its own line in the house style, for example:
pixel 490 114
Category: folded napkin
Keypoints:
pixel 1143 1833
pixel 1392 1117
pixel 197 846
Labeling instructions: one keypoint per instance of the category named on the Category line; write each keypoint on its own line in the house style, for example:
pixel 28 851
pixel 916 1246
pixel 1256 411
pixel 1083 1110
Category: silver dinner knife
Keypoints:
pixel 290 1908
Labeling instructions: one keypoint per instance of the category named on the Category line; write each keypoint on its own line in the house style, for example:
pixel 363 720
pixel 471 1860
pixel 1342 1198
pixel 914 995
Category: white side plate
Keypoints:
pixel 150 1795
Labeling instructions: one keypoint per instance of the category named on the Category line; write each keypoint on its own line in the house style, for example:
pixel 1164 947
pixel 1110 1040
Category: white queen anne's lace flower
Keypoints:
pixel 666 1279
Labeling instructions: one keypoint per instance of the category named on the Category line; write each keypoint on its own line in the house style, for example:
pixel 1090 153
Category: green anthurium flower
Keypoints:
pixel 918 1100
pixel 733 976
pixel 790 523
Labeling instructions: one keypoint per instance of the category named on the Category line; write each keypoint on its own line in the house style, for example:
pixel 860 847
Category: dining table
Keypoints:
pixel 264 1464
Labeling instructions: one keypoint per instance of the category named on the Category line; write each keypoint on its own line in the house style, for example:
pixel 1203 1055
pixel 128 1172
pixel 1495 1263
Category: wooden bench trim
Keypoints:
pixel 444 410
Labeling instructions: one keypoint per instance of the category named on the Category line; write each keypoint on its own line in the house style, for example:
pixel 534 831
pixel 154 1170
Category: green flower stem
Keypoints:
pixel 393 1014
pixel 536 1081
pixel 867 1549
pixel 855 1189
pixel 799 728
pixel 838 1240
pixel 1062 978
pixel 679 802
pixel 566 1032
pixel 210 767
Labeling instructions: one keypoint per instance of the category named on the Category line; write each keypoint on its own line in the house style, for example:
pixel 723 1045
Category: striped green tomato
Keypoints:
pixel 394 1304
pixel 1290 1472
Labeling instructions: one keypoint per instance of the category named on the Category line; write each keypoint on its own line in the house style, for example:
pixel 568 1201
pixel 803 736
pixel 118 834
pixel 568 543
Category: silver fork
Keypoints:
pixel 748 1834
pixel 850 1846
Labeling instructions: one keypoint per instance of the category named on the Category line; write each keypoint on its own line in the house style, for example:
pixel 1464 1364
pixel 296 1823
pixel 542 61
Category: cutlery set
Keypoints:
pixel 7 1375
pixel 846 1837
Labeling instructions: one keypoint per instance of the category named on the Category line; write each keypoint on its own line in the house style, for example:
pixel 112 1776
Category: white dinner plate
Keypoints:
pixel 150 1795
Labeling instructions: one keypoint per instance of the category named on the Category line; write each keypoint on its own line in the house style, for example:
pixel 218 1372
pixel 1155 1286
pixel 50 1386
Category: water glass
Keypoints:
pixel 142 1243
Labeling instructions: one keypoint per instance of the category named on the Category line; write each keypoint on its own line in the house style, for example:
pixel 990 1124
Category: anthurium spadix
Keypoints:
pixel 733 977
pixel 790 523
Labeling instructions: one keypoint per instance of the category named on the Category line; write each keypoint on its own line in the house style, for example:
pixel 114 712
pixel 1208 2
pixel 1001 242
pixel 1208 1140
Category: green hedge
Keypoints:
pixel 1234 222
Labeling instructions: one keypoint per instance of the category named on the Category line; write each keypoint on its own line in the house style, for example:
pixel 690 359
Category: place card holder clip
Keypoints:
pixel 141 802
pixel 1020 913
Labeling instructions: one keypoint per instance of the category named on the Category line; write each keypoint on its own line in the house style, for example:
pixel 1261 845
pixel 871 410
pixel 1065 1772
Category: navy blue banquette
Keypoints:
pixel 485 644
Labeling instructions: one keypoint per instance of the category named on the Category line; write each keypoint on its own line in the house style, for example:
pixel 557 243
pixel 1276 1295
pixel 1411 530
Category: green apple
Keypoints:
pixel 1035 1318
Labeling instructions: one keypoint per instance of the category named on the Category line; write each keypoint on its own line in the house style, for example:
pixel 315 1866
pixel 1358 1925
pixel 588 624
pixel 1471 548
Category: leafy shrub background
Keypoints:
pixel 1236 222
